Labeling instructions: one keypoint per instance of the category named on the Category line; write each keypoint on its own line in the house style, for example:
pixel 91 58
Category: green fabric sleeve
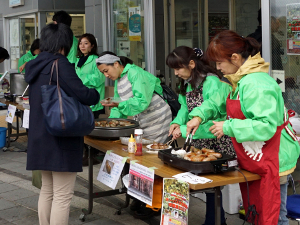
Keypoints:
pixel 182 115
pixel 259 107
pixel 115 112
pixel 214 107
pixel 142 88
pixel 211 87
pixel 30 58
pixel 72 56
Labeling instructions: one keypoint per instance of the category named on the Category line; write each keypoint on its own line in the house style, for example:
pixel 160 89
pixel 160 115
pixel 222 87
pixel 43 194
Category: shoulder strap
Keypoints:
pixel 55 64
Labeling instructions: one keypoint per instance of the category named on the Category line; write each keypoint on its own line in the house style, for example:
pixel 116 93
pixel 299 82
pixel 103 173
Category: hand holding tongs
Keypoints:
pixel 188 142
pixel 170 141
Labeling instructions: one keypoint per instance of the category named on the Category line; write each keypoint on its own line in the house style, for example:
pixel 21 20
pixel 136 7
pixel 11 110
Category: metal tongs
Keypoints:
pixel 188 142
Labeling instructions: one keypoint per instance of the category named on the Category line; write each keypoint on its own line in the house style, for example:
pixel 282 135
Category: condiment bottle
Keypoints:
pixel 131 145
pixel 138 133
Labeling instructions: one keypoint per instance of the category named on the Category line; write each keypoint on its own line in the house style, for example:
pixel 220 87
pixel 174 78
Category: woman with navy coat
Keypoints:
pixel 59 158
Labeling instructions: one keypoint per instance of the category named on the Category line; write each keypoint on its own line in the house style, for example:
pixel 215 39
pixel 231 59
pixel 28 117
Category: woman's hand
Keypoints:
pixel 113 104
pixel 177 133
pixel 192 125
pixel 172 128
pixel 21 68
pixel 217 129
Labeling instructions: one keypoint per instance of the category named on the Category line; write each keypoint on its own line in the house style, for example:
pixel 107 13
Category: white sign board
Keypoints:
pixel 279 77
pixel 111 169
pixel 14 3
pixel 26 119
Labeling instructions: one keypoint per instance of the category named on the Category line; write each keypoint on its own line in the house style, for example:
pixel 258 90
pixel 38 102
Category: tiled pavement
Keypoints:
pixel 18 198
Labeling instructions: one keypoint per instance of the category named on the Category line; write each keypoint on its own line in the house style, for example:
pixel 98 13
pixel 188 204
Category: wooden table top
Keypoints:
pixel 165 171
pixel 4 101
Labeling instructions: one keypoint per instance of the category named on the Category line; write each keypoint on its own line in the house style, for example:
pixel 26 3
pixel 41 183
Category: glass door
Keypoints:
pixel 22 32
pixel 128 30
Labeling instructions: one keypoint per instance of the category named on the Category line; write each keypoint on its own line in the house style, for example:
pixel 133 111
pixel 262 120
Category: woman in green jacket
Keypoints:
pixel 198 83
pixel 87 70
pixel 137 89
pixel 257 122
pixel 30 55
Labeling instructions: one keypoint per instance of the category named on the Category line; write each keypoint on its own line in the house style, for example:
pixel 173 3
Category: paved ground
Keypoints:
pixel 18 198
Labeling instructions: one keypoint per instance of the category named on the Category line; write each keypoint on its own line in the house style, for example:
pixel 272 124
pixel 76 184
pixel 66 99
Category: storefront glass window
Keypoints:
pixel 285 53
pixel 77 25
pixel 22 32
pixel 128 30
pixel 218 17
pixel 246 16
pixel 187 23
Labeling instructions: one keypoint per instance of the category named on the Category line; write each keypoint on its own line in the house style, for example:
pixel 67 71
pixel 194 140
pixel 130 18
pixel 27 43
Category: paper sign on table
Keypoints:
pixel 175 203
pixel 141 180
pixel 10 113
pixel 111 169
pixel 26 119
pixel 191 178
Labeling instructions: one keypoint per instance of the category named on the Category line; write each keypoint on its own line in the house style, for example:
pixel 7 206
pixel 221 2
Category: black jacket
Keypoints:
pixel 47 152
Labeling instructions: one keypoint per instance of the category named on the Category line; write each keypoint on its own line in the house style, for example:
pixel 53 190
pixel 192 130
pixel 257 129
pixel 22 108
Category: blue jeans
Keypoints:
pixel 210 210
pixel 283 220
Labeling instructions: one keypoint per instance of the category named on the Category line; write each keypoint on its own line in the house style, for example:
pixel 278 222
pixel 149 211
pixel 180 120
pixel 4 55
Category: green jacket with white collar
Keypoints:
pixel 91 77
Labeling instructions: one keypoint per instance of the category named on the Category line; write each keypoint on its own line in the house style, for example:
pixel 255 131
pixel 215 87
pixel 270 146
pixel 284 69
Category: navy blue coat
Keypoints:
pixel 47 152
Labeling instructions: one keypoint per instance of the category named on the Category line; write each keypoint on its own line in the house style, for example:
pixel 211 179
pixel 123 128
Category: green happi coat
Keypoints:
pixel 91 77
pixel 263 106
pixel 211 85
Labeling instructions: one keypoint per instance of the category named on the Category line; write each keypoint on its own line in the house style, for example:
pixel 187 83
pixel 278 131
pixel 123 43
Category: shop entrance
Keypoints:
pixel 194 22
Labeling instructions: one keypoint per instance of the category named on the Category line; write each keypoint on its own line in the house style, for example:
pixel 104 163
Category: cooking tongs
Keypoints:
pixel 188 142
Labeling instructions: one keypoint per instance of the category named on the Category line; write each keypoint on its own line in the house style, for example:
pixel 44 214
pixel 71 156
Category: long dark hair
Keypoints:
pixel 34 46
pixel 180 57
pixel 123 60
pixel 227 42
pixel 91 38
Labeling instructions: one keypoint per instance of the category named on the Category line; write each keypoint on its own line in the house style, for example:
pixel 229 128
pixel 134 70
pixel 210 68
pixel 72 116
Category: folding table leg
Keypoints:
pixel 217 206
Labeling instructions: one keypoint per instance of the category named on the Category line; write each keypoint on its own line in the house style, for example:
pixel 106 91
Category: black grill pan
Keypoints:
pixel 226 163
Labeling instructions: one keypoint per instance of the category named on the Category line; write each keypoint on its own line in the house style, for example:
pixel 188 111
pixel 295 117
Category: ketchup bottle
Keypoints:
pixel 138 133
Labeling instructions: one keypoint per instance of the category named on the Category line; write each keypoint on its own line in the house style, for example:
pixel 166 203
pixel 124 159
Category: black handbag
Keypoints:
pixel 64 115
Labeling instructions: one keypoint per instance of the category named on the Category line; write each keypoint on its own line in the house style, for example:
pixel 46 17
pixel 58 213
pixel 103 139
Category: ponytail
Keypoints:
pixel 125 61
pixel 252 47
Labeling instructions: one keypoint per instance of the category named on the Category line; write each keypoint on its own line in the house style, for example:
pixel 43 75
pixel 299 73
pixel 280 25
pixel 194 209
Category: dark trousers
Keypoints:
pixel 210 210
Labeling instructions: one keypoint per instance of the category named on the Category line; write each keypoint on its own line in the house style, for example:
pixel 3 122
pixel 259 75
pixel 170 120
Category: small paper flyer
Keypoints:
pixel 111 169
pixel 175 203
pixel 10 113
pixel 141 180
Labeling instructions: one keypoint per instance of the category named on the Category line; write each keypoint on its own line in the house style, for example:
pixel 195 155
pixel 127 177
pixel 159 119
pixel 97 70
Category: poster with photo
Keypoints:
pixel 293 28
pixel 134 23
pixel 175 202
pixel 141 181
pixel 111 169
pixel 11 110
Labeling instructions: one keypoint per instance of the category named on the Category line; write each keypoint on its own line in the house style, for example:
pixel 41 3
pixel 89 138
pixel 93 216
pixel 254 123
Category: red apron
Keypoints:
pixel 264 193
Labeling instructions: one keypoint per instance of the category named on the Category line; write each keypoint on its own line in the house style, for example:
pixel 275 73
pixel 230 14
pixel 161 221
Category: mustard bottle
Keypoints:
pixel 131 145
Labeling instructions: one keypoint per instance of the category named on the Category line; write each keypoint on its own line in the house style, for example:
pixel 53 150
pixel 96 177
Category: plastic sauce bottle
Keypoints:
pixel 138 133
pixel 131 145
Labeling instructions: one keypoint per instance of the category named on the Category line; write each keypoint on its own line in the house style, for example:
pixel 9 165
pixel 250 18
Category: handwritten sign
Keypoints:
pixel 111 169
pixel 10 113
